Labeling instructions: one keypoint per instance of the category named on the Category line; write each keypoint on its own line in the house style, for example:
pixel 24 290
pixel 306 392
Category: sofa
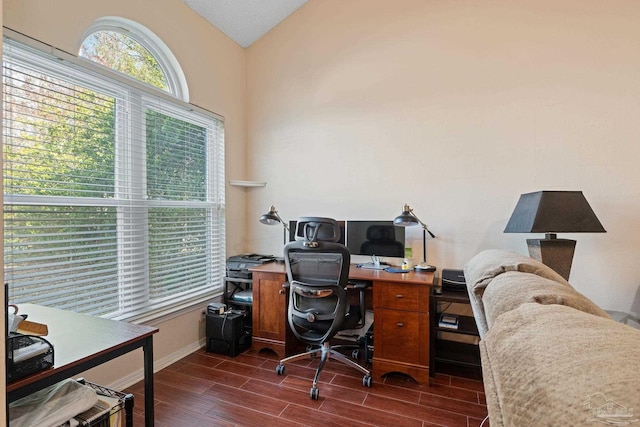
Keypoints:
pixel 550 356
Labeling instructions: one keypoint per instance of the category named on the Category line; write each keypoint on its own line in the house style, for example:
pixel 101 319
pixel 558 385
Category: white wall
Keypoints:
pixel 455 107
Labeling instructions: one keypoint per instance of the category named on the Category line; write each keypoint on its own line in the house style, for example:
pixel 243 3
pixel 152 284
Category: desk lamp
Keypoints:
pixel 272 218
pixel 406 219
pixel 552 212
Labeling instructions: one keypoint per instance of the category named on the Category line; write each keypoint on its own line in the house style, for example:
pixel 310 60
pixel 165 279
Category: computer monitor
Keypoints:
pixel 380 238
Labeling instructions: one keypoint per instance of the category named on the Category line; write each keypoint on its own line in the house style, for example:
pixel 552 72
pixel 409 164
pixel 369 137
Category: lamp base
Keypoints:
pixel 555 253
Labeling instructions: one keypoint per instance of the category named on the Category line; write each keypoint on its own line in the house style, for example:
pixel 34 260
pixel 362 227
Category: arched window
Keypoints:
pixel 113 189
pixel 132 49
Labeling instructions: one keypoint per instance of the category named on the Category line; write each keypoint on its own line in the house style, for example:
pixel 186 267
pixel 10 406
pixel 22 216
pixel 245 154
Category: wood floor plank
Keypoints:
pixel 467 383
pixel 379 388
pixel 368 414
pixel 316 418
pixel 183 382
pixel 212 374
pixel 453 405
pixel 193 402
pixel 291 395
pixel 425 413
pixel 240 415
pixel 470 396
pixel 206 389
pixel 170 415
pixel 247 399
pixel 353 395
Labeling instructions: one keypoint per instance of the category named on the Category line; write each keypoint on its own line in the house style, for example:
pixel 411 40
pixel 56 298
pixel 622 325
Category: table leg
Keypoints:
pixel 147 348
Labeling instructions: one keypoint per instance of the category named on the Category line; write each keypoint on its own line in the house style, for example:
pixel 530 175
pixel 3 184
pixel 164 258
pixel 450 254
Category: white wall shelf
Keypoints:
pixel 237 183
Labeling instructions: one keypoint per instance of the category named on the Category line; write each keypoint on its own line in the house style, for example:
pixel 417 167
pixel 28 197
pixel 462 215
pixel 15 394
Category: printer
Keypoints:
pixel 239 277
pixel 238 265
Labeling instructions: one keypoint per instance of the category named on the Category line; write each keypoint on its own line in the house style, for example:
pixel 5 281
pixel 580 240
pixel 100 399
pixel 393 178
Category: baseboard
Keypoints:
pixel 138 375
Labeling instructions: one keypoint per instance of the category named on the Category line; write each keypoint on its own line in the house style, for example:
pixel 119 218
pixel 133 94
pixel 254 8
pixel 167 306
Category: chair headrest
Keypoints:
pixel 381 233
pixel 316 229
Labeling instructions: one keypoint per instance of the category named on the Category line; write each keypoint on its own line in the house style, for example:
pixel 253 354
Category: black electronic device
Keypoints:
pixel 216 308
pixel 238 265
pixel 453 280
pixel 226 333
pixel 380 238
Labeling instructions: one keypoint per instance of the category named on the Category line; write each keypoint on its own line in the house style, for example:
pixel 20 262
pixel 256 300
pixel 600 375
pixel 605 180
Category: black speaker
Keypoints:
pixel 226 333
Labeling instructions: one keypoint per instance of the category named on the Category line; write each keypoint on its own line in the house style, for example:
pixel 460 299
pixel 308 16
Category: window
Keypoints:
pixel 131 49
pixel 122 53
pixel 113 191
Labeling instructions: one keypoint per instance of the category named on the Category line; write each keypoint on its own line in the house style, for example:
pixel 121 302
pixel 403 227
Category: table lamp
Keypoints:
pixel 552 212
pixel 272 218
pixel 408 218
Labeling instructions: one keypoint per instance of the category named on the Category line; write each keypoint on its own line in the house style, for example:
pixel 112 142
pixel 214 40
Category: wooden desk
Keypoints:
pixel 81 342
pixel 401 317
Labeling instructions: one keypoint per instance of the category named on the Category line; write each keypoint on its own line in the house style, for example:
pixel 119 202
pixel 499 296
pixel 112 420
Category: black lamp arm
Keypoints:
pixel 422 224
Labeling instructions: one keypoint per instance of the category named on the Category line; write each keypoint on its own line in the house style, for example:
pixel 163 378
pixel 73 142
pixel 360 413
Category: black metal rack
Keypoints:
pixel 461 357
pixel 102 415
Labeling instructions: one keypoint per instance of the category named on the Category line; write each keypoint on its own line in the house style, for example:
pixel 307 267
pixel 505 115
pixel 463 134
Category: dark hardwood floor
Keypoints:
pixel 205 389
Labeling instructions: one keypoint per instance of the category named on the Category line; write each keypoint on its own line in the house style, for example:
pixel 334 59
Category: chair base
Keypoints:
pixel 326 352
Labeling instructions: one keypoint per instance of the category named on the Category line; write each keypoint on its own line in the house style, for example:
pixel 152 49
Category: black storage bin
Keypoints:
pixel 22 360
pixel 226 333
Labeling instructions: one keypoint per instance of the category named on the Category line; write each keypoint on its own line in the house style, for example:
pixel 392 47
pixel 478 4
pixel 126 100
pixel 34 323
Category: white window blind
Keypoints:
pixel 113 193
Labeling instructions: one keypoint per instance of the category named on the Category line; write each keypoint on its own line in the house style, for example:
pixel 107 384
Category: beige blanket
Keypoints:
pixel 485 266
pixel 552 365
pixel 511 289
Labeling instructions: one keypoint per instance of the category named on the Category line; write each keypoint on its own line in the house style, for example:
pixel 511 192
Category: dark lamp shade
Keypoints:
pixel 405 219
pixel 553 212
pixel 271 217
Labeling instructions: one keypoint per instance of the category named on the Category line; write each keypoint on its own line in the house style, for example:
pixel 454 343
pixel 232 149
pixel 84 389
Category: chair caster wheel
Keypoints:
pixel 366 381
pixel 313 393
pixel 355 354
pixel 280 369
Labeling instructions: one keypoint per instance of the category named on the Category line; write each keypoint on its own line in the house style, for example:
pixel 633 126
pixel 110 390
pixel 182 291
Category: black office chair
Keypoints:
pixel 381 241
pixel 318 271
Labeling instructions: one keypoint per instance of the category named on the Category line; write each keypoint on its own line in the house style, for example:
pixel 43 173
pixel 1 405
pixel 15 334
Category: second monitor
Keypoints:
pixel 380 238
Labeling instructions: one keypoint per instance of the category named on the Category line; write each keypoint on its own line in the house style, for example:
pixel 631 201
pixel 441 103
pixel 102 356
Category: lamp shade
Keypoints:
pixel 553 212
pixel 406 218
pixel 271 217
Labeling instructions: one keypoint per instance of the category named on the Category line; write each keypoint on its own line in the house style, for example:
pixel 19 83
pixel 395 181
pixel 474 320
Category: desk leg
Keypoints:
pixel 147 348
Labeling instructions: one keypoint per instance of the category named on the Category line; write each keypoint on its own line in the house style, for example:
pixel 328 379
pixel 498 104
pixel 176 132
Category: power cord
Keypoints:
pixel 224 320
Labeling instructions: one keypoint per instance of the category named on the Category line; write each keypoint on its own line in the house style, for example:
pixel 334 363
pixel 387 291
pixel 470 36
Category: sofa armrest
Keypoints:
pixel 485 266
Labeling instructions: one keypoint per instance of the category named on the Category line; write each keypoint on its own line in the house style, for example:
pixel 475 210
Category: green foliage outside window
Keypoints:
pixel 121 53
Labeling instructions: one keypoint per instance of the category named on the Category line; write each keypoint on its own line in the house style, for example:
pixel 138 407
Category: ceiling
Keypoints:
pixel 244 21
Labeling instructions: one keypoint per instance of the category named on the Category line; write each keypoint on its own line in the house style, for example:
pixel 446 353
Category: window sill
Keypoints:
pixel 168 313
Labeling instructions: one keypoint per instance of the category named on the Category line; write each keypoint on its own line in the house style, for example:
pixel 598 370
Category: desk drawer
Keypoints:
pixel 403 336
pixel 402 296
